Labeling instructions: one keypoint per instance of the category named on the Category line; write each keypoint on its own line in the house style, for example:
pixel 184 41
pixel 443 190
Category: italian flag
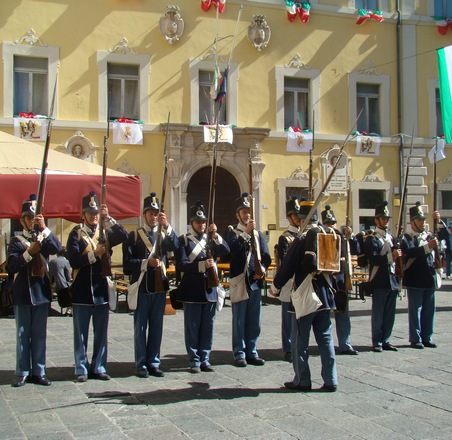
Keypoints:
pixel 445 89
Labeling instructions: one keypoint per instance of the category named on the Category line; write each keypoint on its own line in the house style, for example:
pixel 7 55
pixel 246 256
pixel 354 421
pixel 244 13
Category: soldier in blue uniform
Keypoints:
pixel 342 318
pixel 300 261
pixel 32 294
pixel 90 288
pixel 380 248
pixel 284 241
pixel 194 258
pixel 140 255
pixel 246 314
pixel 420 275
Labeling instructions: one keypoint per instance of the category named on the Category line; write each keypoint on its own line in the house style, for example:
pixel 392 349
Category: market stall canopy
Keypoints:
pixel 68 180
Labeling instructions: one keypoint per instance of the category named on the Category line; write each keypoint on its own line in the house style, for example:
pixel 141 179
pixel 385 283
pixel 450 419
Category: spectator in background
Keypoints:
pixel 60 274
pixel 449 254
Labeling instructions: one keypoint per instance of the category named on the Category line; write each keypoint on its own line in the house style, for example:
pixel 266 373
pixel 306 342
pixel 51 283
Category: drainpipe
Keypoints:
pixel 399 98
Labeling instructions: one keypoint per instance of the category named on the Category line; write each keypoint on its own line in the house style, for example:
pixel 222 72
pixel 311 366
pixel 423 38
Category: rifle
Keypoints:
pixel 399 260
pixel 212 276
pixel 157 254
pixel 254 249
pixel 37 264
pixel 348 258
pixel 310 189
pixel 330 176
pixel 105 258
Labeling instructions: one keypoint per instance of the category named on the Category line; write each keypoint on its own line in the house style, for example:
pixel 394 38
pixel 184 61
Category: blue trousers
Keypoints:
pixel 343 330
pixel 149 313
pixel 198 327
pixel 421 314
pixel 286 327
pixel 31 334
pixel 383 315
pixel 322 327
pixel 82 316
pixel 448 264
pixel 246 326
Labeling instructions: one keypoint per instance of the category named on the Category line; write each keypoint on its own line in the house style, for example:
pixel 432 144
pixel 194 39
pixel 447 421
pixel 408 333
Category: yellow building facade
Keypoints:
pixel 145 59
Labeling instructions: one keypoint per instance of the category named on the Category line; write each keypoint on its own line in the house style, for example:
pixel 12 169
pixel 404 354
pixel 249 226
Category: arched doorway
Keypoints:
pixel 227 190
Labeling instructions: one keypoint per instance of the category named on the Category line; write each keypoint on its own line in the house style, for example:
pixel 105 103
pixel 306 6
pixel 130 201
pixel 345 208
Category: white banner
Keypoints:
pixel 368 146
pixel 440 153
pixel 299 141
pixel 127 133
pixel 225 133
pixel 31 129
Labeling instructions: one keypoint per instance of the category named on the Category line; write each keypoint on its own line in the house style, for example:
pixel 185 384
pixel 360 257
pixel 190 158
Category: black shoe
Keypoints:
pixel 328 388
pixel 288 356
pixel 430 344
pixel 351 351
pixel 418 345
pixel 41 380
pixel 157 372
pixel 20 381
pixel 295 387
pixel 99 376
pixel 195 370
pixel 81 378
pixel 389 347
pixel 240 362
pixel 207 368
pixel 143 373
pixel 257 361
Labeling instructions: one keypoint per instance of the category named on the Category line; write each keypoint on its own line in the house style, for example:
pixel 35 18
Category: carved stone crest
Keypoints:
pixel 259 32
pixel 171 24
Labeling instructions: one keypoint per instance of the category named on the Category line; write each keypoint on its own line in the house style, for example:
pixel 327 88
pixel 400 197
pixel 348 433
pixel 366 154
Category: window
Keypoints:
pixel 299 193
pixel 201 104
pixel 369 198
pixel 366 4
pixel 207 106
pixel 123 85
pixel 296 102
pixel 297 97
pixel 439 115
pixel 446 200
pixel 368 99
pixel 123 95
pixel 443 8
pixel 29 74
pixel 370 92
pixel 30 85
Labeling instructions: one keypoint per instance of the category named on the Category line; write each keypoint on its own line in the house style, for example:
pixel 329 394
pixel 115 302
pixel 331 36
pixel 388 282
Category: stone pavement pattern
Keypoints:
pixel 391 396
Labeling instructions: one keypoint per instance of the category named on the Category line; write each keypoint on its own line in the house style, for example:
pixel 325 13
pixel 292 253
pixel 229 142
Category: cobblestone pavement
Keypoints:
pixel 390 395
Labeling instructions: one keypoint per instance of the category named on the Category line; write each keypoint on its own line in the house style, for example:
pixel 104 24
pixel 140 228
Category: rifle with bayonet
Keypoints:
pixel 310 188
pixel 157 250
pixel 105 258
pixel 348 257
pixel 258 270
pixel 38 268
pixel 438 262
pixel 212 275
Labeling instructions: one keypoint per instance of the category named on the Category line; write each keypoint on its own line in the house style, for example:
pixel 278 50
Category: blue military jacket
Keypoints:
pixel 239 243
pixel 190 257
pixel 135 256
pixel 378 248
pixel 29 289
pixel 419 270
pixel 89 286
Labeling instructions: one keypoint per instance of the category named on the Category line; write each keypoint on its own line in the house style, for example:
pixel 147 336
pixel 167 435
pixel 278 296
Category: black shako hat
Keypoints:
pixel 151 202
pixel 292 206
pixel 305 207
pixel 416 212
pixel 382 210
pixel 29 206
pixel 244 201
pixel 197 212
pixel 90 203
pixel 328 215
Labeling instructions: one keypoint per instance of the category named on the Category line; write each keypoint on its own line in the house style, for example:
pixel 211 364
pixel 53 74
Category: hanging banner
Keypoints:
pixel 225 133
pixel 299 141
pixel 31 129
pixel 368 146
pixel 127 133
pixel 440 153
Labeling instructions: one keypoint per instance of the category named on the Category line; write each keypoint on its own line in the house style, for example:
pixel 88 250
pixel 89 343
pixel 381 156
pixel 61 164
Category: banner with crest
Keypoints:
pixel 368 146
pixel 299 141
pixel 130 133
pixel 31 129
pixel 225 133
